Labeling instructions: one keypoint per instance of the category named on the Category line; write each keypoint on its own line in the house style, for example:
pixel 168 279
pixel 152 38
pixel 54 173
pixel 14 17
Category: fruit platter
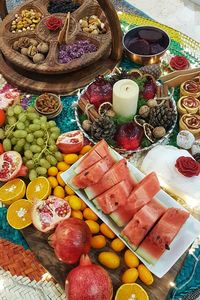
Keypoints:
pixel 102 113
pixel 102 185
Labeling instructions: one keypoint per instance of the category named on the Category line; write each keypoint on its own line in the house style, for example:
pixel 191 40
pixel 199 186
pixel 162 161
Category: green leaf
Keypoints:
pixel 119 120
pixel 145 142
pixel 83 117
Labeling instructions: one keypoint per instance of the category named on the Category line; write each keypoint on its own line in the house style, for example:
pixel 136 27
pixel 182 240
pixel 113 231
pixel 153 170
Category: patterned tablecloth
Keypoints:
pixel 18 276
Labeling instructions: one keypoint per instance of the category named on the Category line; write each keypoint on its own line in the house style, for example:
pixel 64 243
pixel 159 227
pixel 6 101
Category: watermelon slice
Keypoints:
pixel 142 222
pixel 99 151
pixel 144 191
pixel 161 236
pixel 114 197
pixel 117 173
pixel 93 174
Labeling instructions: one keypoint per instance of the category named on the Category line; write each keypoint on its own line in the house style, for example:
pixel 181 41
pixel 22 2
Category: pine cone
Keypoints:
pixel 197 157
pixel 162 116
pixel 103 128
pixel 153 70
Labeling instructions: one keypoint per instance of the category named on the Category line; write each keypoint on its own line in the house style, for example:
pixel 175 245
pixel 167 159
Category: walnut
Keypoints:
pixel 32 50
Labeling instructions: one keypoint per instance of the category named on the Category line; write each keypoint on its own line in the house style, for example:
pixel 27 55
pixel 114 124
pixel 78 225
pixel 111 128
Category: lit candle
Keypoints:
pixel 125 97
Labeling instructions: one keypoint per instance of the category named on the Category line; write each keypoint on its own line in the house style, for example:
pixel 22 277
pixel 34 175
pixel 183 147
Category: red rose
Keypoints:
pixel 179 63
pixel 53 23
pixel 188 166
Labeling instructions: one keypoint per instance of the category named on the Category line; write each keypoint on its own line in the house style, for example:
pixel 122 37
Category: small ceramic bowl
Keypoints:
pixel 146 59
pixel 47 113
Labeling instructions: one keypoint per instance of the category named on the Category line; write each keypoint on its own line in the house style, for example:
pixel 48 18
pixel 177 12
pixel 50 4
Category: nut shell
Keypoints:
pixel 32 50
pixel 159 132
pixel 38 57
pixel 144 111
pixel 43 47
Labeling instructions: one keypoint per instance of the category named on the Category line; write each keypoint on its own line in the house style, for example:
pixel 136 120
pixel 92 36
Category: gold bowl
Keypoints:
pixel 140 58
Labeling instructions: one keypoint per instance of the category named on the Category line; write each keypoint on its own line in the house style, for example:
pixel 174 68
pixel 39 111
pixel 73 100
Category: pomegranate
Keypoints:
pixel 70 142
pixel 150 89
pixel 129 136
pixel 88 282
pixel 71 239
pixel 46 214
pixel 10 166
pixel 99 91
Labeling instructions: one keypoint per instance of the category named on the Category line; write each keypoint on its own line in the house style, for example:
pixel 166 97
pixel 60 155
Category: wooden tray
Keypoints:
pixel 39 245
pixel 51 64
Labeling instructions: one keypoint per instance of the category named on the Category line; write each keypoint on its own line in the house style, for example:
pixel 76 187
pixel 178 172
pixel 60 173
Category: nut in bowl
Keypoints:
pixel 146 44
pixel 48 104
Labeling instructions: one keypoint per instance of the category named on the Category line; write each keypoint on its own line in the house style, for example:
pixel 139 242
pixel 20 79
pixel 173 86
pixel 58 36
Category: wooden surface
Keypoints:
pixel 3 9
pixel 39 245
pixel 59 84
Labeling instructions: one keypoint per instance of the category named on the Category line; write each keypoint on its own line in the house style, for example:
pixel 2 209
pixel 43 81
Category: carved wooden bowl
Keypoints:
pixel 51 65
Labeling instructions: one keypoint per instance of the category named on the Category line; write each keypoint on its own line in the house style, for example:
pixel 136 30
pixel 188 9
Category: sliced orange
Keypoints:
pixel 19 214
pixel 12 190
pixel 38 189
pixel 131 291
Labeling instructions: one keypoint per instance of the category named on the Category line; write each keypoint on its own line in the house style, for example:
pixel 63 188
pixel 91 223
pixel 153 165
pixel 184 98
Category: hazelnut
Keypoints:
pixel 159 132
pixel 43 47
pixel 37 58
pixel 144 111
pixel 24 51
pixel 152 103
pixel 86 125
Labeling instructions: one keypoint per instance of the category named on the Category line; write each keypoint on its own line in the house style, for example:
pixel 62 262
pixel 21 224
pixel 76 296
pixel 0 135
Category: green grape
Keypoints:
pixel 30 137
pixel 27 123
pixel 32 116
pixel 24 159
pixel 12 120
pixel 22 116
pixel 35 148
pixel 43 119
pixel 2 134
pixel 36 156
pixel 20 126
pixel 44 163
pixel 40 141
pixel 30 164
pixel 17 109
pixel 58 156
pixel 13 141
pixel 38 133
pixel 30 109
pixel 21 142
pixel 55 129
pixel 41 171
pixel 53 148
pixel 51 142
pixel 32 175
pixel 52 123
pixel 10 112
pixel 36 121
pixel 7 145
pixel 20 134
pixel 34 127
pixel 51 159
pixel 27 146
pixel 54 135
pixel 17 148
pixel 43 126
pixel 28 154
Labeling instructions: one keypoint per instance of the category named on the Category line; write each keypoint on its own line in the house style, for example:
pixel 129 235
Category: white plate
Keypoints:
pixel 185 237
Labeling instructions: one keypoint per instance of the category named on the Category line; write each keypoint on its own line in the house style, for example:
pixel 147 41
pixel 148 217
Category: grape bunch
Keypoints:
pixel 33 137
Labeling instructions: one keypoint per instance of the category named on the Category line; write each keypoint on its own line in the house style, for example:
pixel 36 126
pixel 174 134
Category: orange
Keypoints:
pixel 98 241
pixel 107 231
pixel 67 198
pixel 12 190
pixel 62 166
pixel 60 180
pixel 19 214
pixel 94 226
pixel 70 158
pixel 131 291
pixel 38 189
pixel 74 202
pixel 117 245
pixel 77 214
pixel 83 205
pixel 145 275
pixel 68 190
pixel 109 259
pixel 59 192
pixel 89 214
pixel 85 149
pixel 52 171
pixel 53 181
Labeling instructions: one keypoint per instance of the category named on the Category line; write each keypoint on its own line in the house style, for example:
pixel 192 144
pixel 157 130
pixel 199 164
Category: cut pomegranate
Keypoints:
pixel 70 142
pixel 129 136
pixel 10 165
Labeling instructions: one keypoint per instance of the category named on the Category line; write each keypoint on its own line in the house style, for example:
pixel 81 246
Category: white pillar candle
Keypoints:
pixel 125 97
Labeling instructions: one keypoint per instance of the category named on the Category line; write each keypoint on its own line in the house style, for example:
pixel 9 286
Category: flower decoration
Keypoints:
pixel 53 23
pixel 179 63
pixel 187 166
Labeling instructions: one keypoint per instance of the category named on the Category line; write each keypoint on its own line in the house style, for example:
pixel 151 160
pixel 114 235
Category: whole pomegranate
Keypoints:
pixel 88 282
pixel 71 239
